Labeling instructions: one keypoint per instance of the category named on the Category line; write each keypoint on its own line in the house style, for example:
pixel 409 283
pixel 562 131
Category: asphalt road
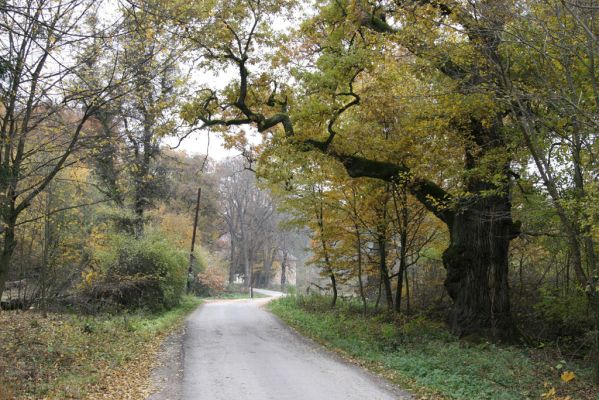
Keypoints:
pixel 234 350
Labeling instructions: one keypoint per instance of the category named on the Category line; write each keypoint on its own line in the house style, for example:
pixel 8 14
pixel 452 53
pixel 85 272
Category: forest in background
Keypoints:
pixel 421 159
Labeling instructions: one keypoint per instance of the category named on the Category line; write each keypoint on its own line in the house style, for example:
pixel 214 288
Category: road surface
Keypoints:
pixel 235 350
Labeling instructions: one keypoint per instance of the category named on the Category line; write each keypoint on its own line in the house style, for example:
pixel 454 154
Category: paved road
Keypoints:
pixel 270 293
pixel 235 350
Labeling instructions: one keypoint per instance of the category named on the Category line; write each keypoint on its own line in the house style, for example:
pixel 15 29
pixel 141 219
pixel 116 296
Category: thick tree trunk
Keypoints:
pixel 593 299
pixel 477 269
pixel 480 227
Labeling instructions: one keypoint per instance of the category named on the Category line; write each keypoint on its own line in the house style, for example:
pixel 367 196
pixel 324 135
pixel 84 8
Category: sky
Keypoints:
pixel 199 142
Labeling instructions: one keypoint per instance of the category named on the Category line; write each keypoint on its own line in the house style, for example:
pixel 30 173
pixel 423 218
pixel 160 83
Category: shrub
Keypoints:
pixel 211 282
pixel 140 273
pixel 291 290
pixel 564 309
pixel 120 219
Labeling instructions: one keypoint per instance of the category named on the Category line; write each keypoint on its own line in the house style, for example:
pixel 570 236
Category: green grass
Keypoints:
pixel 67 356
pixel 236 295
pixel 422 356
pixel 158 323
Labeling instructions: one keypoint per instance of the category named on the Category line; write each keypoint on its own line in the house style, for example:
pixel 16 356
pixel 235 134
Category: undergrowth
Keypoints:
pixel 424 357
pixel 67 356
pixel 236 295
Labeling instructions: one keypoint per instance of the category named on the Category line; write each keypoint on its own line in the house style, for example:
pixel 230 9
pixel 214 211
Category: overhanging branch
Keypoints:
pixel 431 195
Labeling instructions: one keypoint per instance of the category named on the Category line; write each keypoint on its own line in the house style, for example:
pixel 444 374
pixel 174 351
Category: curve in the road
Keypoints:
pixel 236 350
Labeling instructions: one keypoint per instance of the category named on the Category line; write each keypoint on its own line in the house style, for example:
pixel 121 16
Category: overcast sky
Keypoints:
pixel 199 142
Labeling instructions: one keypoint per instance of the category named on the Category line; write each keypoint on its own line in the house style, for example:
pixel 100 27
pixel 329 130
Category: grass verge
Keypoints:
pixel 423 357
pixel 235 296
pixel 66 356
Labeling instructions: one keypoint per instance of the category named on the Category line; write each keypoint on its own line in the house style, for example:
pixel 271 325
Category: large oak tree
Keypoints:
pixel 456 45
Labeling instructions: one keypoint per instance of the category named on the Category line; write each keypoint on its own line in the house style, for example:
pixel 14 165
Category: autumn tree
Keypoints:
pixel 45 105
pixel 553 96
pixel 132 129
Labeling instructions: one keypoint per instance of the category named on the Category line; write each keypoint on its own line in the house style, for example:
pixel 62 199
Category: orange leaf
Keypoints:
pixel 567 376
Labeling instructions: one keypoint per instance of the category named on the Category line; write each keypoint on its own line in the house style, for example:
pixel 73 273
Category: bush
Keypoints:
pixel 120 219
pixel 291 290
pixel 422 355
pixel 140 273
pixel 211 282
pixel 569 310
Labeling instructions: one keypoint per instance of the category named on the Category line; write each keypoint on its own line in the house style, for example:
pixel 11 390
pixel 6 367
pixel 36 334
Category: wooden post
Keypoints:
pixel 193 241
pixel 251 283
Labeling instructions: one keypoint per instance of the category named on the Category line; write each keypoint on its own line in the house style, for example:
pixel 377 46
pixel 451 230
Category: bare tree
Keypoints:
pixel 247 212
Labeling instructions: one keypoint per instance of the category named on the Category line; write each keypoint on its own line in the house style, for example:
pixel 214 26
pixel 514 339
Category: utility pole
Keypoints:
pixel 193 241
